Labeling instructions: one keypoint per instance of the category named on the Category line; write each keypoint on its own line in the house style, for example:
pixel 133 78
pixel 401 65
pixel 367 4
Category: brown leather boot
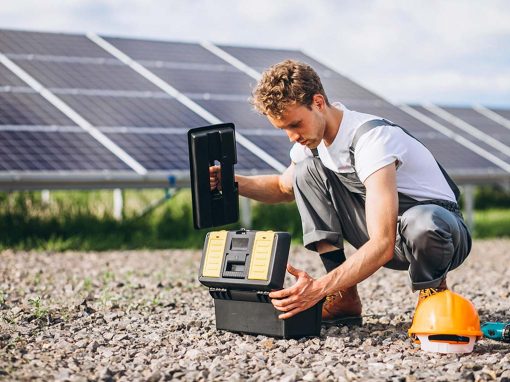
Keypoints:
pixel 342 308
pixel 424 293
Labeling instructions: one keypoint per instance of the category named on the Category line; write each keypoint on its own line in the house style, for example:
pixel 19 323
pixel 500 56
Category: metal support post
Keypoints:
pixel 469 205
pixel 245 212
pixel 45 197
pixel 118 204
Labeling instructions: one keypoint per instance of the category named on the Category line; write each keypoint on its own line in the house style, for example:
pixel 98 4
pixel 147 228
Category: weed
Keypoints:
pixel 37 278
pixel 2 297
pixel 107 276
pixel 39 311
pixel 87 284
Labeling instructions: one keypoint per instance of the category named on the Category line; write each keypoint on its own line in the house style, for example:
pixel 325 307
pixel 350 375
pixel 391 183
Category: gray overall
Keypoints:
pixel 432 237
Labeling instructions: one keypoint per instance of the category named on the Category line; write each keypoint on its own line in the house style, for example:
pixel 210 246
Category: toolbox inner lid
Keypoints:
pixel 208 146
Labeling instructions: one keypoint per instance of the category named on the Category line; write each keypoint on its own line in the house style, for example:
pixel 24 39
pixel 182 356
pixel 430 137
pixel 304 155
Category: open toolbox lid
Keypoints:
pixel 209 145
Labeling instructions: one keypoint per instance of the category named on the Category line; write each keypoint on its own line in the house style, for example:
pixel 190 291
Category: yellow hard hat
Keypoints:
pixel 446 317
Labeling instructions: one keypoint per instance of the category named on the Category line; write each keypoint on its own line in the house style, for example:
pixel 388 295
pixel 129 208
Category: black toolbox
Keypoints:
pixel 240 268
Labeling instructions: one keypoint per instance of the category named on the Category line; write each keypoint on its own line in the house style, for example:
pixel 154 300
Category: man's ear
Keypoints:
pixel 318 100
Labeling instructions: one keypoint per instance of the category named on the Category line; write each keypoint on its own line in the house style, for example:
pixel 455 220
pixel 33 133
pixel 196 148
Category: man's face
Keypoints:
pixel 303 125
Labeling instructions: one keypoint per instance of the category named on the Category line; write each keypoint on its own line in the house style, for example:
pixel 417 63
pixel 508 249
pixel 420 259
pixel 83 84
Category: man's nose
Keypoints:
pixel 293 137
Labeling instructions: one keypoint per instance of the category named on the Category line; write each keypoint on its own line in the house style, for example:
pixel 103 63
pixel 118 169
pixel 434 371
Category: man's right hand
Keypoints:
pixel 215 177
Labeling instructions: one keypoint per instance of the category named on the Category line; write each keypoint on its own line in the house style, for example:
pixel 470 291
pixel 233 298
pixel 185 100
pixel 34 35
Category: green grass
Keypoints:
pixel 82 220
pixel 492 223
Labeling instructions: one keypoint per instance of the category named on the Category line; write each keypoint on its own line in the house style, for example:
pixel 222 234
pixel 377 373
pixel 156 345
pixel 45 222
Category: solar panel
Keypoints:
pixel 54 44
pixel 170 151
pixel 276 145
pixel 76 75
pixel 462 133
pixel 133 111
pixel 8 78
pixel 226 82
pixel 262 58
pixel 147 50
pixel 149 124
pixel 338 87
pixel 240 112
pixel 505 113
pixel 395 115
pixel 481 122
pixel 18 108
pixel 57 150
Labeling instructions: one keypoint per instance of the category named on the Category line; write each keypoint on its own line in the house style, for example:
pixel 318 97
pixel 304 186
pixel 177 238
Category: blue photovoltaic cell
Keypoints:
pixel 128 111
pixel 481 122
pixel 29 109
pixel 54 44
pixel 170 151
pixel 86 76
pixel 229 82
pixel 240 113
pixel 51 151
pixel 147 50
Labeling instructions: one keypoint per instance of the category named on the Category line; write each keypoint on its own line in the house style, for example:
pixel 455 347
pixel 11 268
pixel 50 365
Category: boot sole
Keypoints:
pixel 344 321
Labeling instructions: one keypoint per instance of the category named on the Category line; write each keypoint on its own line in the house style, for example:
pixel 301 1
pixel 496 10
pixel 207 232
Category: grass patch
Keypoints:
pixel 492 223
pixel 82 221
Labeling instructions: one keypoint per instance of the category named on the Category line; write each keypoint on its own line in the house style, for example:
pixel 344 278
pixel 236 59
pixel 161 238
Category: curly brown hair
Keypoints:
pixel 286 83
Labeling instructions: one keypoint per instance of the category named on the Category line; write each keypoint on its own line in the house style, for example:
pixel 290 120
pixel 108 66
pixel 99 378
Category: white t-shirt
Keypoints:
pixel 418 174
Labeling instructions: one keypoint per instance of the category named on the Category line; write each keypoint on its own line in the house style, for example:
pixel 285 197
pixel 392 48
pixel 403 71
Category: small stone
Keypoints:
pixel 154 377
pixel 268 344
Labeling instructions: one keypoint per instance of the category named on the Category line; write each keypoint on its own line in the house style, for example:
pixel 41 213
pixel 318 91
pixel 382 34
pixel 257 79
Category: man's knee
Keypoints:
pixel 426 225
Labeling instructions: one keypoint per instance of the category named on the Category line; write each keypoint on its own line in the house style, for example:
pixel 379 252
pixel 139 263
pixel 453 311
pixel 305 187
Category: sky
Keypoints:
pixel 449 52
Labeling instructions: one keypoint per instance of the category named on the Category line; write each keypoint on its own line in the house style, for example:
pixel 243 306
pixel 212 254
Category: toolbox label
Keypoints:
pixel 261 255
pixel 214 254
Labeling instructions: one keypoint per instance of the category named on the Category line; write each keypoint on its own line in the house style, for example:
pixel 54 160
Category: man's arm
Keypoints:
pixel 264 188
pixel 381 209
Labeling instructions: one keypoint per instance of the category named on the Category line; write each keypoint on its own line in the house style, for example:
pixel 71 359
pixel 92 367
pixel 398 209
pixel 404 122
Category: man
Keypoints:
pixel 356 177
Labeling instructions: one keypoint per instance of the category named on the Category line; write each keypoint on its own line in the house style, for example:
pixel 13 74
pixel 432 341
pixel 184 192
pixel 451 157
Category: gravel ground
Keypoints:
pixel 142 315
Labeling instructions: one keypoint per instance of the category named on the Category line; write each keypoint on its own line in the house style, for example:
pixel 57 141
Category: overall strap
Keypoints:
pixel 369 125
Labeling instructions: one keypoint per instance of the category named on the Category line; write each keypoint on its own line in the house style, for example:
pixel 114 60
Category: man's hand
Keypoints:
pixel 215 177
pixel 302 295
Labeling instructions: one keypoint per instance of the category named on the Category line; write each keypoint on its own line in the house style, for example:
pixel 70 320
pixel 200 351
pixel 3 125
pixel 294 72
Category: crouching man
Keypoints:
pixel 360 178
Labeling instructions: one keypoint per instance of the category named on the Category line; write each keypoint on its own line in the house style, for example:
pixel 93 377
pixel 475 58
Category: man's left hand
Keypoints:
pixel 304 294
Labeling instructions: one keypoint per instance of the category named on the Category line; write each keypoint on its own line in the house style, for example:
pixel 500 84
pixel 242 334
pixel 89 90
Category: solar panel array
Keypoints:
pixel 118 123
